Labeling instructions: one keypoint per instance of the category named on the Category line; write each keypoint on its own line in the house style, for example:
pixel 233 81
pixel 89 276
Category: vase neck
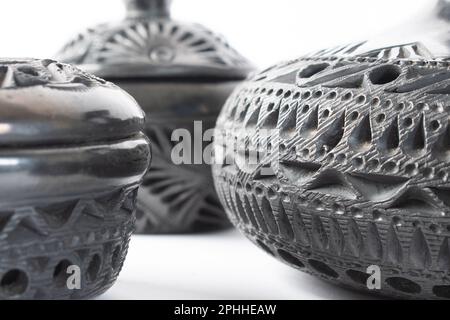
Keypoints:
pixel 443 9
pixel 137 9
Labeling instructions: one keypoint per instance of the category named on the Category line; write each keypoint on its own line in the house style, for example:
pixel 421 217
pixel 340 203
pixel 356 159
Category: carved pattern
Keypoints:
pixel 156 41
pixel 39 242
pixel 414 50
pixel 31 72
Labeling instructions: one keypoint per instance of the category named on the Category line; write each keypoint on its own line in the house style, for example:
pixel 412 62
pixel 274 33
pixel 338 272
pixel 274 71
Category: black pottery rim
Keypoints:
pixel 166 73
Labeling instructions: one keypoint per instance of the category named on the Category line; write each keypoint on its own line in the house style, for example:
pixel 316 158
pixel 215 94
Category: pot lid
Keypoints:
pixel 43 102
pixel 149 44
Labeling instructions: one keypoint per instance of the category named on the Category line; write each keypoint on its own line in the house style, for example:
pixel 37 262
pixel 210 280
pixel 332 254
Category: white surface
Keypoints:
pixel 213 266
pixel 266 31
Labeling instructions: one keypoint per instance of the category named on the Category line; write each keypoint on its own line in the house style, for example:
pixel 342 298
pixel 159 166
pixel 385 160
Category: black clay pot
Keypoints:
pixel 71 160
pixel 179 73
pixel 353 146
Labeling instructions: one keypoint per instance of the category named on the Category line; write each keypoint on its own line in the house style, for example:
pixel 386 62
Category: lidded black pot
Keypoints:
pixel 69 183
pixel 182 74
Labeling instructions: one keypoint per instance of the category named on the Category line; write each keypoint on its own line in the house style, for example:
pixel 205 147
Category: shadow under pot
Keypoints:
pixel 181 74
pixel 353 183
pixel 69 182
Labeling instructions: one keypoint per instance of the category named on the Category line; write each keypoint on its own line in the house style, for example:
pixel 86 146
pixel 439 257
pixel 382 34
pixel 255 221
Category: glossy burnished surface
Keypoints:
pixel 72 157
pixel 49 102
pixel 181 74
pixel 353 161
pixel 38 172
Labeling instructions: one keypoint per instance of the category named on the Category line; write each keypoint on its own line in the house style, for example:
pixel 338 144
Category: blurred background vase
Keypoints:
pixel 181 74
pixel 352 183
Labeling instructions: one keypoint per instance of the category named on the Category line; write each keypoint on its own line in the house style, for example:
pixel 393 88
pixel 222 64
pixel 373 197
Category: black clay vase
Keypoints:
pixel 353 150
pixel 181 74
pixel 72 157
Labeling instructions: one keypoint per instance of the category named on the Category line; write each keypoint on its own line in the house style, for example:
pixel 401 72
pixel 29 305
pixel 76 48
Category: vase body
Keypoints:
pixel 181 74
pixel 353 161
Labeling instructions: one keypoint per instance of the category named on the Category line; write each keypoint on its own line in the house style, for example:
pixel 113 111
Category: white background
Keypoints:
pixel 219 266
pixel 222 265
pixel 265 31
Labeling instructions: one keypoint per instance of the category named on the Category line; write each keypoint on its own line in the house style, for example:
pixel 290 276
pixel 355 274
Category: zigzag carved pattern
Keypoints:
pixel 45 220
pixel 37 238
